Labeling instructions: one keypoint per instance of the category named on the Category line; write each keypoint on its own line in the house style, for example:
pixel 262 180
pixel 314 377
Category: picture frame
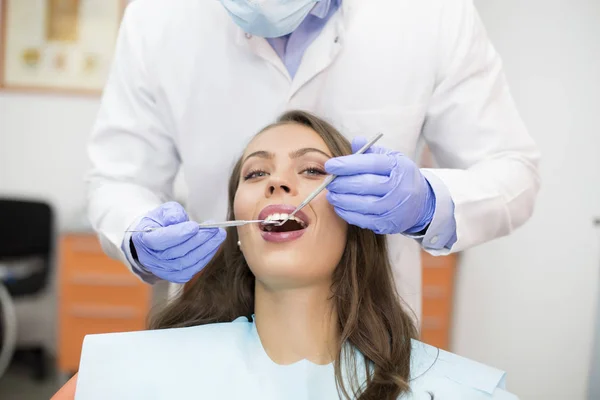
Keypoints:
pixel 67 47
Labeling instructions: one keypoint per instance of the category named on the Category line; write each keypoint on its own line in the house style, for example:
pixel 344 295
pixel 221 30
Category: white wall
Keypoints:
pixel 526 303
pixel 43 141
pixel 42 149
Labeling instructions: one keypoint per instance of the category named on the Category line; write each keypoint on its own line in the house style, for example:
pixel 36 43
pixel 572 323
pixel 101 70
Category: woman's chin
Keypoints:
pixel 283 259
pixel 286 268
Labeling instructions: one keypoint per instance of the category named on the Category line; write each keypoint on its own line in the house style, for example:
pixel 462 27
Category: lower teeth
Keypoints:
pixel 276 228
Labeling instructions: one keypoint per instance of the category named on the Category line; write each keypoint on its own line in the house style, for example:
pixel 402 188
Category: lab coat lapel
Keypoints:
pixel 263 49
pixel 321 53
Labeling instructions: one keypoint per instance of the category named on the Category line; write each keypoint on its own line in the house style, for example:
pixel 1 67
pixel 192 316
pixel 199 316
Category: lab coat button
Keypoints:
pixel 248 35
pixel 434 240
pixel 336 40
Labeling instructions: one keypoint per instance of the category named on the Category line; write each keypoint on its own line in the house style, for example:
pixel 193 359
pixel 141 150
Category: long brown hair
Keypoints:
pixel 370 315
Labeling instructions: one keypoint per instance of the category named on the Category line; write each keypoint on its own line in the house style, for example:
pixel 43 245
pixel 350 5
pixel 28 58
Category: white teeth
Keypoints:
pixel 284 216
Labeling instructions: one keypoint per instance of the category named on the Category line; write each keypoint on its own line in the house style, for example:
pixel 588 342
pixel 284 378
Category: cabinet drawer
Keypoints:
pixel 436 291
pixel 437 307
pixel 84 253
pixel 435 331
pixel 428 261
pixel 440 277
pixel 436 337
pixel 136 296
pixel 92 278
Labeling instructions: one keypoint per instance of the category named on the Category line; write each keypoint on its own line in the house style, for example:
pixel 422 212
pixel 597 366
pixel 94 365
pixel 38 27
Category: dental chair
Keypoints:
pixel 8 329
pixel 26 266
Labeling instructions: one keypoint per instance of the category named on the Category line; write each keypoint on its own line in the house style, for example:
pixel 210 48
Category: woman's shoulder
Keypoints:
pixel 452 376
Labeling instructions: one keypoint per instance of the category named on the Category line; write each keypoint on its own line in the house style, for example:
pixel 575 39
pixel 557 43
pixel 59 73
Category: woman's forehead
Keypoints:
pixel 286 138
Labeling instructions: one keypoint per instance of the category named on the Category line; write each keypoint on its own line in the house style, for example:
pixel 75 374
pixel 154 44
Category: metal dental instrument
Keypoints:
pixel 224 224
pixel 328 180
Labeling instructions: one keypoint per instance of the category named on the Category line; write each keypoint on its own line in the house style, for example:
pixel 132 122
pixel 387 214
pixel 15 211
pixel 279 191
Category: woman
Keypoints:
pixel 314 308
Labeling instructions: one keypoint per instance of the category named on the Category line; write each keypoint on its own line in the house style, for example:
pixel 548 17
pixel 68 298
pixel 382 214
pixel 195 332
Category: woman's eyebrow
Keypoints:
pixel 294 154
pixel 305 150
pixel 260 154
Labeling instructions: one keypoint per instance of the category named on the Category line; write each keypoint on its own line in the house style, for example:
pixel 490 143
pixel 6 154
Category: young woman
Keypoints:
pixel 307 310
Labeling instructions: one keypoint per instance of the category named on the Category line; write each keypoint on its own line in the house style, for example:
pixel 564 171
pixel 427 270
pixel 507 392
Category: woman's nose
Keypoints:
pixel 285 188
pixel 281 186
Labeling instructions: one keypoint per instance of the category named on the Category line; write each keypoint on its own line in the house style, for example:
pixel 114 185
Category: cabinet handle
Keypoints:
pixel 433 292
pixel 81 311
pixel 432 323
pixel 86 245
pixel 103 280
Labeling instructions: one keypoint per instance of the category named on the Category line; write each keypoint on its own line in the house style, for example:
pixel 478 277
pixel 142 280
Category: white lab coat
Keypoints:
pixel 189 88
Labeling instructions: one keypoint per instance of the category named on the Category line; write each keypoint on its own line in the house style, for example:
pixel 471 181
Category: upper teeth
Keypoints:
pixel 282 217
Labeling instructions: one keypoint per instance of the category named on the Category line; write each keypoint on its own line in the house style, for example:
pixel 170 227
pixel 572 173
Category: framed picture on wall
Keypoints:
pixel 58 45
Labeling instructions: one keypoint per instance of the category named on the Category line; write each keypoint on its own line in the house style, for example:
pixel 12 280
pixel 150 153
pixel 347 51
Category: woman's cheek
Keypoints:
pixel 323 206
pixel 327 212
pixel 241 204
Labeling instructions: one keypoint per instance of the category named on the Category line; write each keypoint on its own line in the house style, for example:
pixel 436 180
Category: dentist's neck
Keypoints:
pixel 296 324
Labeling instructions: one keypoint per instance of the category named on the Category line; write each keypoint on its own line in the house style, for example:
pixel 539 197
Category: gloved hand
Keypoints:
pixel 381 190
pixel 180 249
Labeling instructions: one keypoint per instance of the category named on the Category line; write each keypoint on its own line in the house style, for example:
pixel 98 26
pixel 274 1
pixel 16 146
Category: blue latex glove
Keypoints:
pixel 180 249
pixel 381 190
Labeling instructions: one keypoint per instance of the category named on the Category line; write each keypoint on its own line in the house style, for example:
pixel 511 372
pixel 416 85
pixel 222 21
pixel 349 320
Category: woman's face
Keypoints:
pixel 280 168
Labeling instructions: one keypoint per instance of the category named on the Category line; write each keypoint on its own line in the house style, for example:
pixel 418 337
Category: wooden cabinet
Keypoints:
pixel 96 295
pixel 438 285
pixel 438 296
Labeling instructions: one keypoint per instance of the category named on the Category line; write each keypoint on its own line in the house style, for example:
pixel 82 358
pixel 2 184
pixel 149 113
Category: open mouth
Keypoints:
pixel 292 224
pixel 292 229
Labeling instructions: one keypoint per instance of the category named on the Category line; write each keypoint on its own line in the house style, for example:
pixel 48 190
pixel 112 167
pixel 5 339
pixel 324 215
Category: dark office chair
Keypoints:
pixel 26 254
pixel 8 329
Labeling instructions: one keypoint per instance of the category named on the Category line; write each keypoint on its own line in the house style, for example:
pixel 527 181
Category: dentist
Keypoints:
pixel 192 81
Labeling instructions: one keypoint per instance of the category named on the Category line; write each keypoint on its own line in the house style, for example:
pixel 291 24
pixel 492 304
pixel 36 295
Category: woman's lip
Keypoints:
pixel 280 237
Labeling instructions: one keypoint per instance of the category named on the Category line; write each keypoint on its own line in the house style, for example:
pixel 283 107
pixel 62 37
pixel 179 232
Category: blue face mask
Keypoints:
pixel 268 18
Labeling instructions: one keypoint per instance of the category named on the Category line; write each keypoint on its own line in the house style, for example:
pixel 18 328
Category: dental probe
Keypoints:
pixel 224 224
pixel 328 180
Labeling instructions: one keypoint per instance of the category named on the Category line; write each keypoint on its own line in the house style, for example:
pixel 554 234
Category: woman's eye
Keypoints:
pixel 314 171
pixel 254 174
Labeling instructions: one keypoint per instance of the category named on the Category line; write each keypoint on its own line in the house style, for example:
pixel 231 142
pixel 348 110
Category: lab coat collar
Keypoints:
pixel 262 48
pixel 332 33
pixel 321 9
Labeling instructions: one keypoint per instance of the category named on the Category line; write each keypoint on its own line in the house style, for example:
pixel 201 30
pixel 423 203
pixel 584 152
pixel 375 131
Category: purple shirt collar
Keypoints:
pixel 290 48
pixel 321 9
